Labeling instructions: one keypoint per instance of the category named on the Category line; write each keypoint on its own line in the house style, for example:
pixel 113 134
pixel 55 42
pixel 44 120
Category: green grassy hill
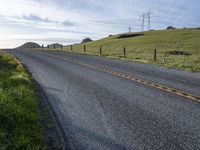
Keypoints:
pixel 140 48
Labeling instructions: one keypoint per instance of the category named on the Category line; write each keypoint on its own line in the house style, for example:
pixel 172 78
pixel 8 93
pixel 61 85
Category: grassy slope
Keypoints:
pixel 19 117
pixel 141 48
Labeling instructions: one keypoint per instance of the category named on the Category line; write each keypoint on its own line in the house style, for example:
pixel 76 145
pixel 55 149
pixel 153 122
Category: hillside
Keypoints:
pixel 141 47
pixel 30 45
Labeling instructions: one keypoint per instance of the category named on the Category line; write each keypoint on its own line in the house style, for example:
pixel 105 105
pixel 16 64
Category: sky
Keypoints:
pixel 70 21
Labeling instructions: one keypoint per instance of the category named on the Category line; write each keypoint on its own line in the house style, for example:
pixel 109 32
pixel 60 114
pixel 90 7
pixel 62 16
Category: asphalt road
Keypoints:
pixel 99 110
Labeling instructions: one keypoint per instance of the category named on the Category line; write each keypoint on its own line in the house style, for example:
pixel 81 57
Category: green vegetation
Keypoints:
pixel 141 48
pixel 19 117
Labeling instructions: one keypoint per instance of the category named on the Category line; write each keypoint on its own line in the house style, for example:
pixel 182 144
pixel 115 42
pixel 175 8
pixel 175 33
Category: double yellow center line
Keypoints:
pixel 132 78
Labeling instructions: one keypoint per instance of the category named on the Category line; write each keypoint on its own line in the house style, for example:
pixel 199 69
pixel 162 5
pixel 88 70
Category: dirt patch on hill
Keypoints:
pixel 129 35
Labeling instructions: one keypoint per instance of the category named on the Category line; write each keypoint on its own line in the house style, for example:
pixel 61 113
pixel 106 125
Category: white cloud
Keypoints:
pixel 75 19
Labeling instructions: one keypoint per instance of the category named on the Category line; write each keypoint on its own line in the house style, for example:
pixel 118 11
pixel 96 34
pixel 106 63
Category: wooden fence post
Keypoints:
pixel 155 55
pixel 165 57
pixel 84 48
pixel 71 47
pixel 124 52
pixel 100 50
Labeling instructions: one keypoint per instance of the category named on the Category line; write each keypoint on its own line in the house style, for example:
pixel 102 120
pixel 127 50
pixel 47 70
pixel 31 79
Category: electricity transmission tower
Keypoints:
pixel 149 19
pixel 148 16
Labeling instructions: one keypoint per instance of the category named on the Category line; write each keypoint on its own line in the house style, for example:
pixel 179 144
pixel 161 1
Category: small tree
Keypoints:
pixel 170 27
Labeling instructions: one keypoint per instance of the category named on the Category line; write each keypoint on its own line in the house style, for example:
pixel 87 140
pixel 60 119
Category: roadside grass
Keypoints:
pixel 19 117
pixel 141 48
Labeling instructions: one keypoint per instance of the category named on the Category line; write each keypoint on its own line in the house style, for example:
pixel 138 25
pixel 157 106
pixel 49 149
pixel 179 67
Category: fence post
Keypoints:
pixel 155 55
pixel 71 47
pixel 164 57
pixel 84 48
pixel 61 47
pixel 124 51
pixel 100 50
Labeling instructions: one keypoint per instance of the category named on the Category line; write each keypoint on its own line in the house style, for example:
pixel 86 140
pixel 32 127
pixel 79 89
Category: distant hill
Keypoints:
pixel 30 45
pixel 86 40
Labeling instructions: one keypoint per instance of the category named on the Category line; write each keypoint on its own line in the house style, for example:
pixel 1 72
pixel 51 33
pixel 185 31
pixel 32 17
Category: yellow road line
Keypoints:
pixel 132 78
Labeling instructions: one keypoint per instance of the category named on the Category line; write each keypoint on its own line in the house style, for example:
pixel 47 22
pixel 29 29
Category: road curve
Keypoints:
pixel 100 110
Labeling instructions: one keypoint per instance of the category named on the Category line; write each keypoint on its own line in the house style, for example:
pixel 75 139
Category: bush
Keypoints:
pixel 170 27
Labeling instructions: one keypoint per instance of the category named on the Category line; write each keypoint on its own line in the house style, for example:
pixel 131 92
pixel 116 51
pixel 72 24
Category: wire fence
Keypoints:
pixel 122 52
pixel 152 56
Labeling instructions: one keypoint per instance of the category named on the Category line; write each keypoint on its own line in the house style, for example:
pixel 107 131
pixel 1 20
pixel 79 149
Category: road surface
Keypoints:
pixel 102 103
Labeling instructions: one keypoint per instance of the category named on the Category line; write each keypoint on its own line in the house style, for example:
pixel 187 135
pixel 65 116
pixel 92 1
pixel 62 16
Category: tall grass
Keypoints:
pixel 19 117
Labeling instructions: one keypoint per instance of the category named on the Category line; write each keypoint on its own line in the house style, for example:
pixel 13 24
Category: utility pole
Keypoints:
pixel 129 29
pixel 143 18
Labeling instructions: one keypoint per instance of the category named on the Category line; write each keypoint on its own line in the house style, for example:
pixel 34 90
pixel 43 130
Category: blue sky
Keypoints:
pixel 69 21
